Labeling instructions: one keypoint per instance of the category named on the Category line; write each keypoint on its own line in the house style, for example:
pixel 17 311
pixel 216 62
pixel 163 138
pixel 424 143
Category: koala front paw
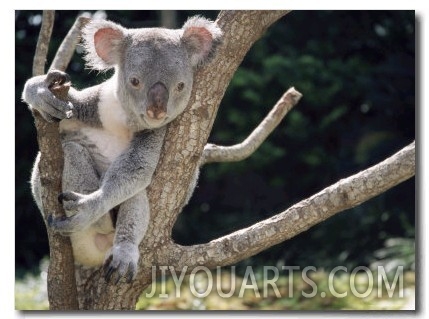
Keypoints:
pixel 75 203
pixel 54 222
pixel 81 211
pixel 67 225
pixel 71 201
pixel 40 92
pixel 121 262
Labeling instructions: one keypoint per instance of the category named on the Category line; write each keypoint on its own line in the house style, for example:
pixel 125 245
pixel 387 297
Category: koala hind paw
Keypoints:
pixel 121 262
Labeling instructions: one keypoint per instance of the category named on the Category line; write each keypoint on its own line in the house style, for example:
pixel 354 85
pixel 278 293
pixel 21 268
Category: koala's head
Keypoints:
pixel 154 67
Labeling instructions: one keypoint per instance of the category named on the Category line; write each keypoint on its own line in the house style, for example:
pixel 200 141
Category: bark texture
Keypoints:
pixel 345 194
pixel 239 152
pixel 62 291
pixel 66 50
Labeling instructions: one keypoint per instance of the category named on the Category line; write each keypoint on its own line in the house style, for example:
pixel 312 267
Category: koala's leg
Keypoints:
pixel 90 244
pixel 79 174
pixel 131 226
pixel 129 174
pixel 36 187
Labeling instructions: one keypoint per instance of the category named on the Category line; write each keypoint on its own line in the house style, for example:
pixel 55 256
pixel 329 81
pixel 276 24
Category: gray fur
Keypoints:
pixel 85 105
pixel 112 133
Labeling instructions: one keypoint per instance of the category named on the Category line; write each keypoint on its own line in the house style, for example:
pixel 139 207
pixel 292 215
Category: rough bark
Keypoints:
pixel 345 194
pixel 62 292
pixel 188 134
pixel 67 47
pixel 42 46
pixel 215 153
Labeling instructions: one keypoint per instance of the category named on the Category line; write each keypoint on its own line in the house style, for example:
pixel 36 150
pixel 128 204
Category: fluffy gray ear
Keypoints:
pixel 201 37
pixel 102 41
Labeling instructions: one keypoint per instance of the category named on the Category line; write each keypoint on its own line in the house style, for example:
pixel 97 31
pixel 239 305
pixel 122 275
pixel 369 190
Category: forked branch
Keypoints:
pixel 62 291
pixel 42 46
pixel 345 194
pixel 68 46
pixel 238 152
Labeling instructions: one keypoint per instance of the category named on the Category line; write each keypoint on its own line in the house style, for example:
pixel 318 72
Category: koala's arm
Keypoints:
pixel 80 105
pixel 128 175
pixel 132 171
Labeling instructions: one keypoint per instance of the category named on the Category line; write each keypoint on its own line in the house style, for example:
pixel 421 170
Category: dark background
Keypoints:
pixel 356 70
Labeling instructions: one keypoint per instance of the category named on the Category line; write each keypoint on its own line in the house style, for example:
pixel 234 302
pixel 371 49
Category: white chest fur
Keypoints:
pixel 115 136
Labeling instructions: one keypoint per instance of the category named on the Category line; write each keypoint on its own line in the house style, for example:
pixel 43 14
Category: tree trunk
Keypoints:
pixel 62 285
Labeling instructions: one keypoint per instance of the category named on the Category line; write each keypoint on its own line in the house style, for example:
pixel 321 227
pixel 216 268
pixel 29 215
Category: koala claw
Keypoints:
pixel 49 220
pixel 71 202
pixel 56 223
pixel 67 196
pixel 121 263
pixel 75 203
pixel 110 270
pixel 57 77
pixel 52 220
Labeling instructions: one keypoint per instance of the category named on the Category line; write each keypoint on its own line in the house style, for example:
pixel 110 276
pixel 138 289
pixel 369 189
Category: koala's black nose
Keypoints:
pixel 157 99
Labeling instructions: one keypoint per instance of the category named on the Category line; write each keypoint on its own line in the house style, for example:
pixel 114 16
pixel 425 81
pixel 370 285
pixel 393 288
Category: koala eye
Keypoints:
pixel 180 86
pixel 135 82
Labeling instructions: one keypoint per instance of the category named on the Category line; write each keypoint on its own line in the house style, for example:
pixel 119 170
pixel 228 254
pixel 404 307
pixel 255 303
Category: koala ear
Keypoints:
pixel 102 42
pixel 201 37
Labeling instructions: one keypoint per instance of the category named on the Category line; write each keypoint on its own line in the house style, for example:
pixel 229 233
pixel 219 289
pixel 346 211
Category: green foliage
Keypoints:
pixel 356 70
pixel 396 252
pixel 31 291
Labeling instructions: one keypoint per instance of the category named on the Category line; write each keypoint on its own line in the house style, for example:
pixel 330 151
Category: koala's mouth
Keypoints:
pixel 154 123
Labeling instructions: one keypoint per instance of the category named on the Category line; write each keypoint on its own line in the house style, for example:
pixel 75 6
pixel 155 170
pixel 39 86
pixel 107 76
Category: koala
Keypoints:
pixel 112 133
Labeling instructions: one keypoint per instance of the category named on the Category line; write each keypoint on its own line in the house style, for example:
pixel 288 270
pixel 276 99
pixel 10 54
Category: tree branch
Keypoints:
pixel 345 194
pixel 238 152
pixel 67 47
pixel 62 292
pixel 187 135
pixel 42 46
